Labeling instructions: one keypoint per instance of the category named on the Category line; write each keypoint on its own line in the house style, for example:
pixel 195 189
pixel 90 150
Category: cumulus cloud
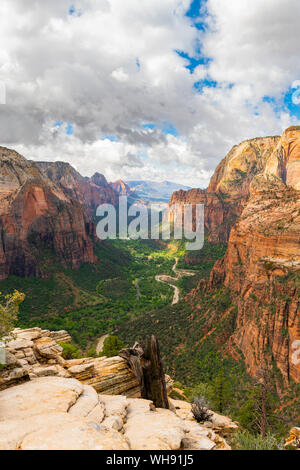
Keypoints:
pixel 109 67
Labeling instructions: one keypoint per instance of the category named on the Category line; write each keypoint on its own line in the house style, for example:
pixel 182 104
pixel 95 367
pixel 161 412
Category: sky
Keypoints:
pixel 146 89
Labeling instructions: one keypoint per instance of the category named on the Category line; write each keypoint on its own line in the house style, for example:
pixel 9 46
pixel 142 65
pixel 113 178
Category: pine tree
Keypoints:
pixel 220 394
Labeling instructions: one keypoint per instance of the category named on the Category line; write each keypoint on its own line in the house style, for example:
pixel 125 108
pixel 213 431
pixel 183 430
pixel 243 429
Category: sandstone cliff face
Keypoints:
pixel 285 160
pixel 262 268
pixel 228 190
pixel 36 213
pixel 121 188
pixel 90 192
pixel 262 263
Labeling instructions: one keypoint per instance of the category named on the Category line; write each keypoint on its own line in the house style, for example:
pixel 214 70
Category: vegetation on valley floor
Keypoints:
pixel 102 298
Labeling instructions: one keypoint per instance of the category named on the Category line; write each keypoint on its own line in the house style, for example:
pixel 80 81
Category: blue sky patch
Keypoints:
pixel 166 127
pixel 112 138
pixel 193 61
pixel 74 12
pixel 197 13
pixel 206 83
pixel 70 129
pixel 69 126
pixel 292 102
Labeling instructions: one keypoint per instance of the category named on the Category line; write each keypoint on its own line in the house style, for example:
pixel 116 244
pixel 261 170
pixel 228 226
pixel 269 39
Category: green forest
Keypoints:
pixel 119 296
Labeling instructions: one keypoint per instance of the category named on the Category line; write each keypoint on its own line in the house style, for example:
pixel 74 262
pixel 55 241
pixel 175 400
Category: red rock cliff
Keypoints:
pixel 90 192
pixel 36 213
pixel 228 190
pixel 262 263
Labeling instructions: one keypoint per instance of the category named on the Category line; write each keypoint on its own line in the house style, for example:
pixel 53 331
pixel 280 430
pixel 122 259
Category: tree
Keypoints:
pixel 258 413
pixel 9 308
pixel 220 392
pixel 112 346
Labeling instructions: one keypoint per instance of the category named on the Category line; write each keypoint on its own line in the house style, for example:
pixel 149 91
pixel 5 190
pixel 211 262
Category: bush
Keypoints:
pixel 243 440
pixel 92 353
pixel 9 308
pixel 112 346
pixel 70 351
pixel 200 410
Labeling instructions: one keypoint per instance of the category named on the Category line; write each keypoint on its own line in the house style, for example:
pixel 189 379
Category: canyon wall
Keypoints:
pixel 36 213
pixel 228 190
pixel 90 192
pixel 262 263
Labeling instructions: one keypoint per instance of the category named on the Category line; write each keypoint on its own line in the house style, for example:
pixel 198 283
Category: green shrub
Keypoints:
pixel 112 346
pixel 92 353
pixel 243 440
pixel 70 351
pixel 9 308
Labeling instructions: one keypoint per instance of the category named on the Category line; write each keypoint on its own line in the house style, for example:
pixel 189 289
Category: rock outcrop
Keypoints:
pixel 121 188
pixel 262 269
pixel 48 403
pixel 293 441
pixel 262 263
pixel 36 213
pixel 229 187
pixel 56 413
pixel 90 192
pixel 35 353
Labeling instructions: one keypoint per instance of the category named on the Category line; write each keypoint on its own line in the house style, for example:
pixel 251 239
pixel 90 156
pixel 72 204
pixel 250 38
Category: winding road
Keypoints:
pixel 166 279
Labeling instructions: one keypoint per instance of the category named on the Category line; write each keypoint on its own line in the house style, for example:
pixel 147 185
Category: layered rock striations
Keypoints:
pixel 90 192
pixel 36 353
pixel 262 269
pixel 56 406
pixel 36 213
pixel 228 190
pixel 262 264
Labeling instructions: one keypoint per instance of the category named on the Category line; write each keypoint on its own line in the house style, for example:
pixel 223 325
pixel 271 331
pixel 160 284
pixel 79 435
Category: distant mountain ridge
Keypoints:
pixel 153 190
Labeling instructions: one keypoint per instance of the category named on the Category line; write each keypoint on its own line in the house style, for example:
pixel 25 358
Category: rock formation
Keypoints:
pixel 56 413
pixel 90 192
pixel 35 213
pixel 262 263
pixel 293 441
pixel 35 353
pixel 76 405
pixel 228 190
pixel 121 188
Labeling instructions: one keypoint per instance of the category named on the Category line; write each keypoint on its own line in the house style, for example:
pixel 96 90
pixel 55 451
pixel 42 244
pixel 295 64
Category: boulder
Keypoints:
pixel 294 438
pixel 88 405
pixel 153 430
pixel 47 348
pixel 114 405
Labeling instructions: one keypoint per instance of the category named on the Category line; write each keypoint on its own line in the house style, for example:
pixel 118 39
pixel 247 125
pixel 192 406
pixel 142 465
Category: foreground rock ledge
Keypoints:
pixel 57 413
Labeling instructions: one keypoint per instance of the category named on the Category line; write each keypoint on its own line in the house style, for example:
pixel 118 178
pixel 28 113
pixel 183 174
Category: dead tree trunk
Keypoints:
pixel 146 364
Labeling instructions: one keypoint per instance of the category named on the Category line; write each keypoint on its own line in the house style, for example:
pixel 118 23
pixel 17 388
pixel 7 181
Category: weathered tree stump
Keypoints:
pixel 146 364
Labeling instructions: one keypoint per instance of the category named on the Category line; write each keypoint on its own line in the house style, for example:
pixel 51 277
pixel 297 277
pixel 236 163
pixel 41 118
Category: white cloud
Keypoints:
pixel 111 66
